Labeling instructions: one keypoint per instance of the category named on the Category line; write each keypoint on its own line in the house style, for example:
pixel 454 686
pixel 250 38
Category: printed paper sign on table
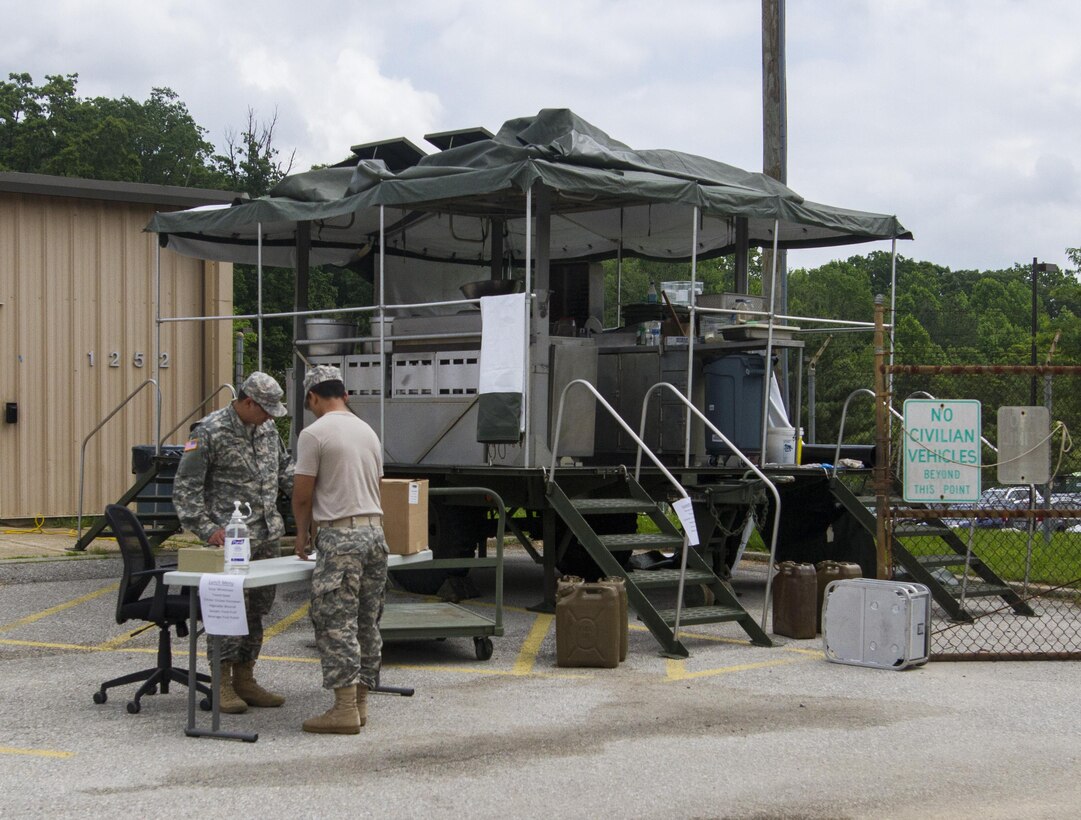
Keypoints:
pixel 221 601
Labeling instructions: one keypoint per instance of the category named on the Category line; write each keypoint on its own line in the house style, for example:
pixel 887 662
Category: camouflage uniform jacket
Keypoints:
pixel 222 462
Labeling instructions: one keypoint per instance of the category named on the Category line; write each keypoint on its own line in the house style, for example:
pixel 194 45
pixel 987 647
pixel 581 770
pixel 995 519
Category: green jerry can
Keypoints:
pixel 587 624
pixel 833 571
pixel 795 606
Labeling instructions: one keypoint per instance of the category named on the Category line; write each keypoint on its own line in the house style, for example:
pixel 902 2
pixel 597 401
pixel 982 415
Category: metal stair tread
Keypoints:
pixel 611 505
pixel 648 578
pixel 977 590
pixel 947 560
pixel 635 540
pixel 702 615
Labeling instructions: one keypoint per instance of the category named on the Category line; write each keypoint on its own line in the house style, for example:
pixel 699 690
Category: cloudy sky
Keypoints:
pixel 963 117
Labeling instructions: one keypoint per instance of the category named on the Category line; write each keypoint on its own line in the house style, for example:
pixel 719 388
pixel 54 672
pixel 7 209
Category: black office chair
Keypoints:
pixel 158 609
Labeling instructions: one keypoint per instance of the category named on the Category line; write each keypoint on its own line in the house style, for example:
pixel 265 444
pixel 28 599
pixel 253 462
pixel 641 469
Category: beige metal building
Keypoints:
pixel 77 336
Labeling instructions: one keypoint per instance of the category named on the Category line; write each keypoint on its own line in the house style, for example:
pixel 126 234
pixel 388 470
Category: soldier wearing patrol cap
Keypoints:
pixel 236 454
pixel 339 463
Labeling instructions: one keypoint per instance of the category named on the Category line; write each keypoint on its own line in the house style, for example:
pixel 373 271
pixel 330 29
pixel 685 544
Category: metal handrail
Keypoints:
pixel 90 435
pixel 893 410
pixel 844 414
pixel 750 464
pixel 198 407
pixel 641 446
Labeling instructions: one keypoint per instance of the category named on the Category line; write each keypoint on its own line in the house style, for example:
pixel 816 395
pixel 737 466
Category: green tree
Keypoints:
pixel 48 129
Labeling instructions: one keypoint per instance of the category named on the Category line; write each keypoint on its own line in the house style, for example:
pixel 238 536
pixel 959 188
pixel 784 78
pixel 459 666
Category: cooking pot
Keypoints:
pixel 490 287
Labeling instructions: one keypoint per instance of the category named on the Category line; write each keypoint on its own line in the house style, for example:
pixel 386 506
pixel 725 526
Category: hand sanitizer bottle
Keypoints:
pixel 237 542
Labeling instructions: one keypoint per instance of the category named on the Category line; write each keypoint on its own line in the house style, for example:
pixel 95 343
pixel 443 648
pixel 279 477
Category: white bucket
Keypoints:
pixel 780 445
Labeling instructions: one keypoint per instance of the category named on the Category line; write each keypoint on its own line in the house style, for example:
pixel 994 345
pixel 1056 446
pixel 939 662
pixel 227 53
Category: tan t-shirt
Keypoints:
pixel 344 454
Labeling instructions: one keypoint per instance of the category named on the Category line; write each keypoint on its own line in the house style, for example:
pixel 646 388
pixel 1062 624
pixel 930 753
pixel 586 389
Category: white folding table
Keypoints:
pixel 268 572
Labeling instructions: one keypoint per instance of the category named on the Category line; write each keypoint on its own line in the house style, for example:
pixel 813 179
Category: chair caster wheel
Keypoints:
pixel 100 697
pixel 204 704
pixel 133 707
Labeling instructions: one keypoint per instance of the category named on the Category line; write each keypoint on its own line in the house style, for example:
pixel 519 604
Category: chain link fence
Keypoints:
pixel 1004 569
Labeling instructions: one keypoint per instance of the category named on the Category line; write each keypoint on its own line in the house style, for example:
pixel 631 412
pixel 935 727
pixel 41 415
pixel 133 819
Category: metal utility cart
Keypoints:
pixel 431 620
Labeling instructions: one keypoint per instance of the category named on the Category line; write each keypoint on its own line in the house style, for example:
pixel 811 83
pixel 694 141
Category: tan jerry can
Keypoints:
pixel 795 591
pixel 587 625
pixel 621 586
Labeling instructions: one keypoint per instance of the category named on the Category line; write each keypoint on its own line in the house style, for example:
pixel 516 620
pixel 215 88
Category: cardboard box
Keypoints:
pixel 200 559
pixel 405 514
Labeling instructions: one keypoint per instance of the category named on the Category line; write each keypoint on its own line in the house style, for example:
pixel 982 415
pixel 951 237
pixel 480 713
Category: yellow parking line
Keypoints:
pixel 45 613
pixel 44 645
pixel 11 750
pixel 676 669
pixel 285 623
pixel 527 656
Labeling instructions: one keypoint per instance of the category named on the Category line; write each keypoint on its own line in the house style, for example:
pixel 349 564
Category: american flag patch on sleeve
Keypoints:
pixel 192 444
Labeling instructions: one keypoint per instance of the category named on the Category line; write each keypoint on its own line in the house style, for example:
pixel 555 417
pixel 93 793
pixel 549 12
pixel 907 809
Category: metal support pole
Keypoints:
pixel 883 553
pixel 690 342
pixel 259 294
pixel 382 330
pixel 619 274
pixel 529 317
pixel 769 343
pixel 1035 328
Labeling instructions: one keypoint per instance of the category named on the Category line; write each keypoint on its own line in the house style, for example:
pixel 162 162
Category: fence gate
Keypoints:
pixel 1003 557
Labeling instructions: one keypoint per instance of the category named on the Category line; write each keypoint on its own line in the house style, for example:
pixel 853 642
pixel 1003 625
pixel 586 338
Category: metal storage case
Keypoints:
pixel 883 624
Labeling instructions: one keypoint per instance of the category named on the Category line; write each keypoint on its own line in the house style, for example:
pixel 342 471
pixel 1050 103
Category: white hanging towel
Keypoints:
pixel 501 408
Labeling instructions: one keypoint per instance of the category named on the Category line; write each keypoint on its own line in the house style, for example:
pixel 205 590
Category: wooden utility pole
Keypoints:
pixel 775 145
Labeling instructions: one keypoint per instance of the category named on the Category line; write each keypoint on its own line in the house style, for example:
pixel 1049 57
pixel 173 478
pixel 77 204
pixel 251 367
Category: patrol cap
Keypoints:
pixel 264 391
pixel 319 374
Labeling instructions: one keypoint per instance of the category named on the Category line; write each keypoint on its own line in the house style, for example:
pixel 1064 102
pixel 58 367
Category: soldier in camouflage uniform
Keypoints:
pixel 236 454
pixel 339 463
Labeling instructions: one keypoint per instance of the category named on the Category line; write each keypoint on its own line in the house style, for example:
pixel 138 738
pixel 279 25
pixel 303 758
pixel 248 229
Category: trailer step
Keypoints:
pixel 951 560
pixel 661 578
pixel 979 590
pixel 639 583
pixel 702 615
pixel 600 506
pixel 640 541
pixel 945 587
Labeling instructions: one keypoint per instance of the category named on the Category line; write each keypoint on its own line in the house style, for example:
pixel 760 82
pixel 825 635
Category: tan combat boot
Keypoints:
pixel 229 701
pixel 341 719
pixel 362 703
pixel 249 690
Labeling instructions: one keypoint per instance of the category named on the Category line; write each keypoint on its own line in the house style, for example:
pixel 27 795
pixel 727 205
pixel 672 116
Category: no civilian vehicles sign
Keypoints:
pixel 941 450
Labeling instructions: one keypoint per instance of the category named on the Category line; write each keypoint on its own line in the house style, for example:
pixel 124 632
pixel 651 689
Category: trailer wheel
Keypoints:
pixel 453 532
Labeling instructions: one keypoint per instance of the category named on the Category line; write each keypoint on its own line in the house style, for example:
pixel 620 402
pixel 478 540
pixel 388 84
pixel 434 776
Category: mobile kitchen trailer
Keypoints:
pixel 534 209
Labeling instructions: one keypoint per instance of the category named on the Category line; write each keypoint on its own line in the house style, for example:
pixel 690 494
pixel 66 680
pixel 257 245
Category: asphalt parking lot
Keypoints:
pixel 734 731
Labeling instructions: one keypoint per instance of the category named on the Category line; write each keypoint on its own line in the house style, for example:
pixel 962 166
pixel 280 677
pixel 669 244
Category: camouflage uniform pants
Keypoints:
pixel 348 590
pixel 257 603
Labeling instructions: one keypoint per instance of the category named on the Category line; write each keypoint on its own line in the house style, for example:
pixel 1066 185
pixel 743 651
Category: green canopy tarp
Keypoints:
pixel 604 197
